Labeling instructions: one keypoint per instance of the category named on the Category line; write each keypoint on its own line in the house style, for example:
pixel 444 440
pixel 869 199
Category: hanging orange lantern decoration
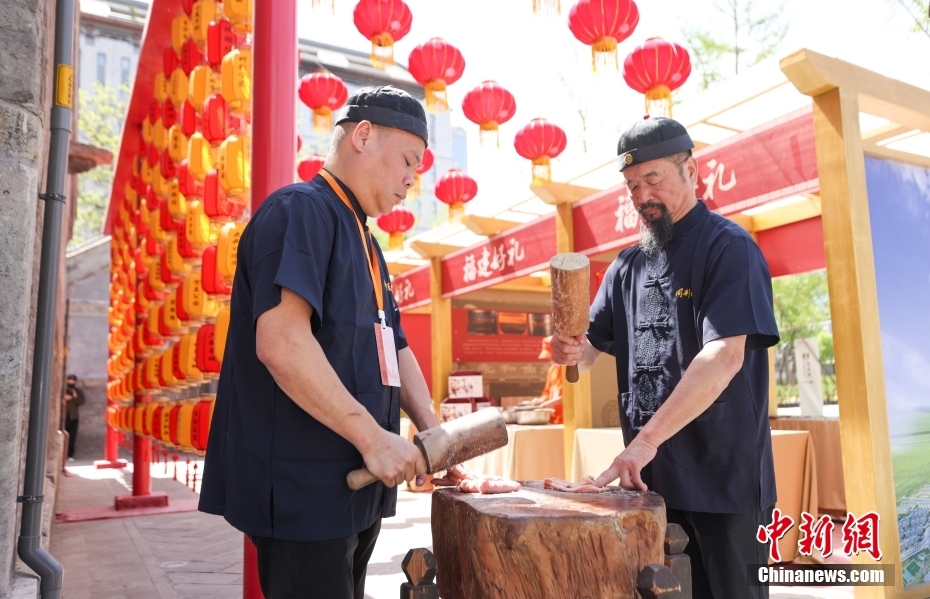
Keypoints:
pixel 488 106
pixel 395 223
pixel 602 24
pixel 323 93
pixel 540 141
pixel 656 68
pixel 309 167
pixel 436 65
pixel 455 188
pixel 384 22
pixel 425 165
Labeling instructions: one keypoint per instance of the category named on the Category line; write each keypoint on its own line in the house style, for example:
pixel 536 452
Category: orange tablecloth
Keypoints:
pixel 795 476
pixel 795 471
pixel 825 433
pixel 532 453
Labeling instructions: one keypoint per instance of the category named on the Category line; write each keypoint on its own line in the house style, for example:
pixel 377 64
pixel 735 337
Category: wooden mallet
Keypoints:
pixel 571 284
pixel 451 443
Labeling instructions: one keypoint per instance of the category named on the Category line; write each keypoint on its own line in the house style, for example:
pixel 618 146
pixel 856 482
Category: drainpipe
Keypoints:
pixel 29 546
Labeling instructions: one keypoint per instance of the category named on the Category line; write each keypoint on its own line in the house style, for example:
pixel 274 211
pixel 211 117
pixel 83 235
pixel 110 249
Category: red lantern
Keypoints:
pixel 540 141
pixel 190 120
pixel 215 119
pixel 435 65
pixel 212 281
pixel 169 114
pixel 602 24
pixel 309 167
pixel 425 165
pixel 489 105
pixel 169 61
pixel 455 188
pixel 190 56
pixel 323 93
pixel 221 39
pixel 383 22
pixel 216 204
pixel 655 68
pixel 395 223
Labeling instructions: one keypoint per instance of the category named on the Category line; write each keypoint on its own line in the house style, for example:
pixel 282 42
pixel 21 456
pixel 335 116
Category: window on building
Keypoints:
pixel 124 70
pixel 102 68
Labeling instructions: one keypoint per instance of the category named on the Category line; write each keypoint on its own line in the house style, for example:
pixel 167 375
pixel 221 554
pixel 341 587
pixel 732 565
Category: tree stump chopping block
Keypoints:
pixel 545 544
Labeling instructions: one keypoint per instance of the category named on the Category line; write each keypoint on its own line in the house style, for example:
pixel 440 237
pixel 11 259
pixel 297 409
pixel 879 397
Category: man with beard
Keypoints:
pixel 688 315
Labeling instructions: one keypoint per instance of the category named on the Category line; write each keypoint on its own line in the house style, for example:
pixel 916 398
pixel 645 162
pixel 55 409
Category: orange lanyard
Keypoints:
pixel 373 270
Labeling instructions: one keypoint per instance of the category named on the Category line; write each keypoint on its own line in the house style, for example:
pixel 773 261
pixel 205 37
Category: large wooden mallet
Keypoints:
pixel 451 443
pixel 571 284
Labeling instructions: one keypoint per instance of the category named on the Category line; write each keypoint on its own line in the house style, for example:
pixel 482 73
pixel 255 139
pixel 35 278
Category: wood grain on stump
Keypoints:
pixel 545 544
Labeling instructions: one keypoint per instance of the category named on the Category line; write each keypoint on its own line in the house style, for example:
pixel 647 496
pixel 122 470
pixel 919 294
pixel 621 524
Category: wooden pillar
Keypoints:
pixel 860 378
pixel 576 398
pixel 441 332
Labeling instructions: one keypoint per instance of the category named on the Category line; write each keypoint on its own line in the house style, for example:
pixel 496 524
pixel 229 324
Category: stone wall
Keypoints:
pixel 88 273
pixel 26 45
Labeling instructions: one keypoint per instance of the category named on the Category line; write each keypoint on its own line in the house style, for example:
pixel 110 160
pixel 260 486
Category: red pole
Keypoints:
pixel 141 458
pixel 274 142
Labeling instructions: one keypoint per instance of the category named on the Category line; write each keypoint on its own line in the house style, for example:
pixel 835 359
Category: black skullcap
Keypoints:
pixel 652 138
pixel 389 107
pixel 71 377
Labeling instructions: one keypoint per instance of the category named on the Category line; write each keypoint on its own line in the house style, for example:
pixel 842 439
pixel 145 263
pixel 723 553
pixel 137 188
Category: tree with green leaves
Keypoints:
pixel 100 122
pixel 802 311
pixel 918 11
pixel 742 34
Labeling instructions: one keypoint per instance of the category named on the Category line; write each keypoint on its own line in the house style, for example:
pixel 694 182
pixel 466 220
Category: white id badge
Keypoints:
pixel 387 355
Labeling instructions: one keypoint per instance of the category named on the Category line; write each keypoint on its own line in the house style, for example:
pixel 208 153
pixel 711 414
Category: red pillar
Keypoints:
pixel 110 448
pixel 142 495
pixel 274 141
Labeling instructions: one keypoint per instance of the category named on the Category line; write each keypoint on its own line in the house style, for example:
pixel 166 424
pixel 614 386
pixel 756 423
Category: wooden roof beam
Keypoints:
pixel 432 250
pixel 488 225
pixel 561 193
pixel 813 74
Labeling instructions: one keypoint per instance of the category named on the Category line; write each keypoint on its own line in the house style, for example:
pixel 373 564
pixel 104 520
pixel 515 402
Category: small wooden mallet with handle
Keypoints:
pixel 571 284
pixel 450 443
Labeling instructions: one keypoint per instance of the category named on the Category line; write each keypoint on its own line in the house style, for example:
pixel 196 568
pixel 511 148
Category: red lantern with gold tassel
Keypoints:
pixel 309 167
pixel 656 68
pixel 425 165
pixel 540 141
pixel 323 93
pixel 395 223
pixel 436 65
pixel 455 188
pixel 488 106
pixel 384 22
pixel 602 24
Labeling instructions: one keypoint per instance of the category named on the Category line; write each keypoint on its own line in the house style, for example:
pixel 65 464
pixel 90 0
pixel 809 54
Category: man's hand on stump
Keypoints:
pixel 628 465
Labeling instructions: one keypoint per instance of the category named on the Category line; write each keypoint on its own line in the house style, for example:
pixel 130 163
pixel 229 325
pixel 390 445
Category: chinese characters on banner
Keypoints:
pixel 774 161
pixel 515 253
pixel 411 289
pixel 859 534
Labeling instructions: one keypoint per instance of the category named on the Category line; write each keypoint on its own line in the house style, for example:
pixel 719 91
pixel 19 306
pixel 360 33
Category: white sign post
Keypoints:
pixel 810 387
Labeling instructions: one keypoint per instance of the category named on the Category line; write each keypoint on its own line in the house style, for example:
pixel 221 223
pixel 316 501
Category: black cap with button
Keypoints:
pixel 652 138
pixel 389 107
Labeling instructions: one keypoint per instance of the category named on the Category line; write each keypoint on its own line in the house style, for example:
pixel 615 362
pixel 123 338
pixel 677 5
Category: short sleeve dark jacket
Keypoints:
pixel 654 314
pixel 271 469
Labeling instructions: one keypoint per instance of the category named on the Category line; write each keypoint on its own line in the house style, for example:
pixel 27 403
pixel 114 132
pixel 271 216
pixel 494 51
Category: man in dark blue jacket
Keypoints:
pixel 317 366
pixel 688 315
